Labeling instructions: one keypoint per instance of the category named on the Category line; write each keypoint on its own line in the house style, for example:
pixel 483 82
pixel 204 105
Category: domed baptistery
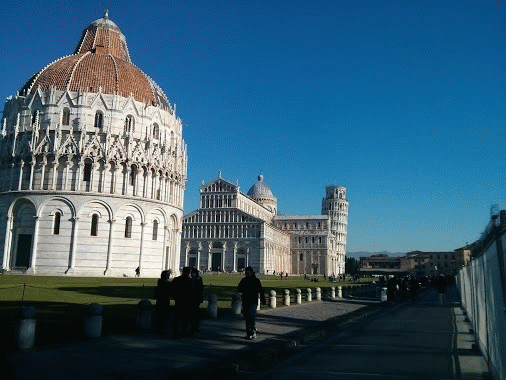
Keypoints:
pixel 92 167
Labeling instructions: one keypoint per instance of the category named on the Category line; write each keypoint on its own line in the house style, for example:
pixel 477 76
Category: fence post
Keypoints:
pixel 272 299
pixel 93 321
pixel 318 294
pixel 236 303
pixel 308 295
pixel 25 327
pixel 339 292
pixel 143 319
pixel 299 296
pixel 212 307
pixel 286 297
pixel 332 292
pixel 384 294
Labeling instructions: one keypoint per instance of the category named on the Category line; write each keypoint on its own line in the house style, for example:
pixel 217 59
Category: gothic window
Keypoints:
pixel 34 116
pixel 99 120
pixel 94 225
pixel 65 117
pixel 129 124
pixel 301 257
pixel 133 173
pixel 155 229
pixel 56 223
pixel 128 227
pixel 156 131
pixel 87 172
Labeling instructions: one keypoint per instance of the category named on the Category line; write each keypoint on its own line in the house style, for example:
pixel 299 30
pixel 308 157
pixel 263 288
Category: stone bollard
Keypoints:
pixel 93 321
pixel 309 298
pixel 144 315
pixel 236 303
pixel 272 299
pixel 298 298
pixel 339 292
pixel 258 303
pixel 212 307
pixel 25 327
pixel 286 298
pixel 318 294
pixel 384 295
pixel 332 292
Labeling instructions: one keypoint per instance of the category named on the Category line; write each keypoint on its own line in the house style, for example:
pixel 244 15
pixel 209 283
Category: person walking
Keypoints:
pixel 250 288
pixel 197 288
pixel 181 293
pixel 162 296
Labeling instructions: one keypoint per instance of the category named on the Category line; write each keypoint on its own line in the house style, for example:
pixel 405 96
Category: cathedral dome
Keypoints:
pixel 101 63
pixel 260 190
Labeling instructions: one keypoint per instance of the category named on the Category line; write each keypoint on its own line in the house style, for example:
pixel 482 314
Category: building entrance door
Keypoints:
pixel 216 262
pixel 23 250
pixel 241 263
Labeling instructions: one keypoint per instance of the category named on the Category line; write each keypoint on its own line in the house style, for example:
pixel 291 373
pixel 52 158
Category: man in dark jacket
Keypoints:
pixel 181 288
pixel 250 288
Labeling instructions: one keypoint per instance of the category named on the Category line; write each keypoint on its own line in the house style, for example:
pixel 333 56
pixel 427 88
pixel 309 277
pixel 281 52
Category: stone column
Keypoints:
pixel 127 181
pixel 7 243
pixel 186 249
pixel 107 168
pixel 33 258
pixel 54 180
pixel 72 258
pixel 79 175
pixel 114 178
pixel 136 182
pixel 32 170
pixel 42 172
pixel 148 183
pixel 143 224
pixel 198 255
pixel 223 257
pixel 20 180
pixel 109 247
pixel 67 169
pixel 209 255
pixel 235 257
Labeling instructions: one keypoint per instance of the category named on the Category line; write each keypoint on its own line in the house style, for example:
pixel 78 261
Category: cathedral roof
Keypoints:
pixel 100 63
pixel 260 190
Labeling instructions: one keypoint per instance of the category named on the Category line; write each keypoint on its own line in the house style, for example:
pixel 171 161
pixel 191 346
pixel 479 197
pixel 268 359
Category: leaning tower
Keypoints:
pixel 92 166
pixel 336 206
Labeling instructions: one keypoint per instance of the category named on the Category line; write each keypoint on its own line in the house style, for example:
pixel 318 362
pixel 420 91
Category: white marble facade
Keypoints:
pixel 232 230
pixel 92 169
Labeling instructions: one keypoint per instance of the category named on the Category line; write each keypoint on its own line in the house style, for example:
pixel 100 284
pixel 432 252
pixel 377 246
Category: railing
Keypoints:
pixel 482 286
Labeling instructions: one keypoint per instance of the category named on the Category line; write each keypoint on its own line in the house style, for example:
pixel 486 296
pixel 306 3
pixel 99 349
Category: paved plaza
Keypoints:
pixel 221 350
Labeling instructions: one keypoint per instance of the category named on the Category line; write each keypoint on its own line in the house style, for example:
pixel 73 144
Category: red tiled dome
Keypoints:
pixel 101 62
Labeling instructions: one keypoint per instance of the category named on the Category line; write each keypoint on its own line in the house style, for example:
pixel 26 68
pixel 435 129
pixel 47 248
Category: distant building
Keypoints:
pixel 417 263
pixel 232 230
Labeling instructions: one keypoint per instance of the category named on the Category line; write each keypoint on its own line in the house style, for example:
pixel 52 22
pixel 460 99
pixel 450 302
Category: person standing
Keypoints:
pixel 181 293
pixel 196 299
pixel 250 288
pixel 162 296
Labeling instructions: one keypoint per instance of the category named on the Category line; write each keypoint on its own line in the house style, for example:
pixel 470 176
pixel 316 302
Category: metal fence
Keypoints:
pixel 482 286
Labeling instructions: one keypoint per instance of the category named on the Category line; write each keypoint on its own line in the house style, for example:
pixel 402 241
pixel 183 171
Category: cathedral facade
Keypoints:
pixel 232 230
pixel 92 167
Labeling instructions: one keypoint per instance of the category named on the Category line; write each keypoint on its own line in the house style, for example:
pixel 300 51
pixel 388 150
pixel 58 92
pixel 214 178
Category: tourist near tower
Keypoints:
pixel 92 166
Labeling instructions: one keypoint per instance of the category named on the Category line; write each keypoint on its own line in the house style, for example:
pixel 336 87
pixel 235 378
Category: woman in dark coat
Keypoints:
pixel 162 296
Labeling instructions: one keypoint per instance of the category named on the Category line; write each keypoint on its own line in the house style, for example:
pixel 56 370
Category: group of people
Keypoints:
pixel 186 291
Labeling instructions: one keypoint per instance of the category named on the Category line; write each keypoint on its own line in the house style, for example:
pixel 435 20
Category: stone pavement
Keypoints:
pixel 219 350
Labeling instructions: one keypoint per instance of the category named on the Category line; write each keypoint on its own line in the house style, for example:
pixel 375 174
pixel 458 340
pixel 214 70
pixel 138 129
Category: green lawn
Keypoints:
pixel 62 302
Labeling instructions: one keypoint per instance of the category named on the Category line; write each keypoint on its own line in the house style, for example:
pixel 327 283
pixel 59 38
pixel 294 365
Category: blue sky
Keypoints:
pixel 401 102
